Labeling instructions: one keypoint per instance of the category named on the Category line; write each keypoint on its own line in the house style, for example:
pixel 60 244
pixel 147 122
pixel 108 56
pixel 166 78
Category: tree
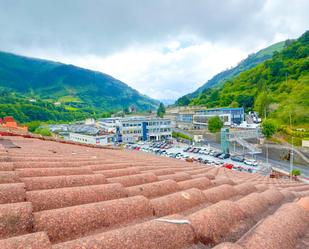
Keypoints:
pixel 215 124
pixel 161 110
pixel 296 172
pixel 183 101
pixel 262 103
pixel 269 128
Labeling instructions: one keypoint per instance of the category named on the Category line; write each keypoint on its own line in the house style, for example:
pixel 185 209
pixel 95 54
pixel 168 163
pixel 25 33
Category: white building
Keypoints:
pixel 109 124
pixel 106 139
pixel 145 128
pixel 132 129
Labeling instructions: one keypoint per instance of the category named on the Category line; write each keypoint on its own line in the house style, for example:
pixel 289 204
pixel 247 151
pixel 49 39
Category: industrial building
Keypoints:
pixel 198 119
pixel 132 129
pixel 106 139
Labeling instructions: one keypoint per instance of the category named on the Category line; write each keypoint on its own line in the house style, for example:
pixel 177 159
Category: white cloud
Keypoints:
pixel 162 48
pixel 164 71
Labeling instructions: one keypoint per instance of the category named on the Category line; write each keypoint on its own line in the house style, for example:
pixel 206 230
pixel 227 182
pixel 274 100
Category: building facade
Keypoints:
pixel 106 139
pixel 144 128
pixel 133 129
pixel 228 115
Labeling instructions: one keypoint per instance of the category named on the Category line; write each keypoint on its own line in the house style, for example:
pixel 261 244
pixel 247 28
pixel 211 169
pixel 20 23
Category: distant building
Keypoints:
pixel 228 115
pixel 198 119
pixel 108 124
pixel 89 121
pixel 144 128
pixel 10 123
pixel 132 129
pixel 106 139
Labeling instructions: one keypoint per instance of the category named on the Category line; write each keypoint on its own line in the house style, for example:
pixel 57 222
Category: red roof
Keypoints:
pixel 64 196
pixel 8 119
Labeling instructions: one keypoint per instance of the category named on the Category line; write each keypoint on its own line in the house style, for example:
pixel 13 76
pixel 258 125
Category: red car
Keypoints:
pixel 228 165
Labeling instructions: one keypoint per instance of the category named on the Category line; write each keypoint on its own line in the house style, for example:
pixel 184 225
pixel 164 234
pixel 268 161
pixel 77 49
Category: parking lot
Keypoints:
pixel 204 155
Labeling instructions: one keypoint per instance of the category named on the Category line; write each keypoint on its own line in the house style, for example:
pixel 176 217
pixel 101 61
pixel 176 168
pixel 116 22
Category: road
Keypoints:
pixel 276 163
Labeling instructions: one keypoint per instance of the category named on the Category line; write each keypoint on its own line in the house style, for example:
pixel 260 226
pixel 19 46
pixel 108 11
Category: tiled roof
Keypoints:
pixel 63 196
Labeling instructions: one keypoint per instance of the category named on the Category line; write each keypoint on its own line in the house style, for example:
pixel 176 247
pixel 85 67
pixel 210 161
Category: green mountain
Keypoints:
pixel 251 61
pixel 77 89
pixel 278 87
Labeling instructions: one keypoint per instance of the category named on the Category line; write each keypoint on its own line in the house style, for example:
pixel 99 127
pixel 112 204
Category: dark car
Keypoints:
pixel 217 154
pixel 237 158
pixel 224 156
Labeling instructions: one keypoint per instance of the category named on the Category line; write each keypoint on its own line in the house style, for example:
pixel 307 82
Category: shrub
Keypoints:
pixel 269 128
pixel 296 172
pixel 215 124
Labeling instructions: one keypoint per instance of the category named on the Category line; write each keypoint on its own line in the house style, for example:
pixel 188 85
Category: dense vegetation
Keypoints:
pixel 78 91
pixel 277 88
pixel 215 124
pixel 181 136
pixel 161 110
pixel 251 61
pixel 25 110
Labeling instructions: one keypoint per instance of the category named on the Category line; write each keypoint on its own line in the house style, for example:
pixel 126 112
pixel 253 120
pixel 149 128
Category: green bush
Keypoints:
pixel 180 135
pixel 43 131
pixel 296 172
pixel 215 124
pixel 269 128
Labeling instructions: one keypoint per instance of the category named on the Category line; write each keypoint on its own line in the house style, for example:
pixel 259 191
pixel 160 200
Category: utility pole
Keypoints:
pixel 266 153
pixel 291 157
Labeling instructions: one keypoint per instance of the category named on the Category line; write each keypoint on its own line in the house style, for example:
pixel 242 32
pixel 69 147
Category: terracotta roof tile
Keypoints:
pixel 228 245
pixel 221 221
pixel 29 241
pixel 154 189
pixel 8 177
pixel 280 230
pixel 6 166
pixel 200 183
pixel 219 193
pixel 30 172
pixel 180 176
pixel 273 196
pixel 36 183
pixel 253 205
pixel 15 219
pixel 10 193
pixel 153 234
pixel 119 172
pixel 177 202
pixel 71 196
pixel 131 180
pixel 64 197
pixel 245 188
pixel 160 172
pixel 66 223
pixel 222 180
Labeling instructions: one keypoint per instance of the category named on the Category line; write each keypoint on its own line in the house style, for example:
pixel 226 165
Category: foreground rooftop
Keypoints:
pixel 64 196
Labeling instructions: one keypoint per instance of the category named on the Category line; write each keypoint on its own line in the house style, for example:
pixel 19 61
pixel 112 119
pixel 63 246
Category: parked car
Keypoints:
pixel 228 165
pixel 224 156
pixel 251 162
pixel 187 149
pixel 217 154
pixel 237 158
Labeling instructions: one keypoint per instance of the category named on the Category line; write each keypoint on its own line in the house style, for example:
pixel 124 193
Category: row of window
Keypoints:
pixel 154 123
pixel 151 123
pixel 131 124
pixel 154 130
pixel 131 132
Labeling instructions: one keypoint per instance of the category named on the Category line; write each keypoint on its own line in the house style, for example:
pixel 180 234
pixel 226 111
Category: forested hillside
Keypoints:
pixel 278 88
pixel 77 91
pixel 251 61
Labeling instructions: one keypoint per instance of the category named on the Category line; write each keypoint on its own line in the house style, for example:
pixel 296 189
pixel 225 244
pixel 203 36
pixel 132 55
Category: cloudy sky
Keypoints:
pixel 163 48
